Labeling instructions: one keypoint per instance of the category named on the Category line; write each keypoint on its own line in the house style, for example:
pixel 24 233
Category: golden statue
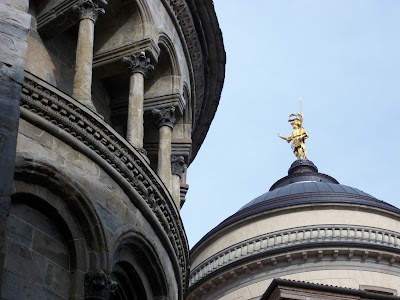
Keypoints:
pixel 298 135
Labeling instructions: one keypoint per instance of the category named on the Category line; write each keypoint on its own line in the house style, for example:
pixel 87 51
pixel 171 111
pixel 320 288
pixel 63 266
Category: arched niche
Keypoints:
pixel 164 86
pixel 52 223
pixel 138 269
pixel 126 24
pixel 39 250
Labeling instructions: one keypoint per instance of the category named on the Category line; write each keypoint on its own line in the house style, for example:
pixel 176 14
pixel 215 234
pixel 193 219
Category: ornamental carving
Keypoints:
pixel 177 165
pixel 165 116
pixel 98 285
pixel 139 63
pixel 69 115
pixel 88 9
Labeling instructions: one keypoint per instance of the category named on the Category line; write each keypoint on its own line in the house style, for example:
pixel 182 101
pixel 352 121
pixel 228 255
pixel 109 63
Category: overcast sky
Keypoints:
pixel 343 56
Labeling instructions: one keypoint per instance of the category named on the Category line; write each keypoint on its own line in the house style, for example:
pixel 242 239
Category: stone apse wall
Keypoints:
pixel 103 107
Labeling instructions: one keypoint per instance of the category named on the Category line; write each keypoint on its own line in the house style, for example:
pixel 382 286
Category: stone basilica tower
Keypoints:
pixel 322 239
pixel 103 105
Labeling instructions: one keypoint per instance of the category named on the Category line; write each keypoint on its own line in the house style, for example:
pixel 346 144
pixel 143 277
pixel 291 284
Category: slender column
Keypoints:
pixel 177 169
pixel 165 121
pixel 88 11
pixel 139 66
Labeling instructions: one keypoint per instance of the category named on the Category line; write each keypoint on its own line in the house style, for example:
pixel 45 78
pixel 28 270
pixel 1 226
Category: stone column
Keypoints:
pixel 177 169
pixel 165 121
pixel 99 286
pixel 139 66
pixel 88 11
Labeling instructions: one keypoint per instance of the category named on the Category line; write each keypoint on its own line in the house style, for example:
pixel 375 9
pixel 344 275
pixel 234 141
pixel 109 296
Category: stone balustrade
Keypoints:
pixel 335 234
pixel 63 116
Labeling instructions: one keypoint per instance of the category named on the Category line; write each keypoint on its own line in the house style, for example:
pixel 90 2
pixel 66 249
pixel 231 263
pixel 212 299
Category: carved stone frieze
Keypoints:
pixel 50 104
pixel 184 17
pixel 165 116
pixel 98 285
pixel 88 9
pixel 139 63
pixel 177 165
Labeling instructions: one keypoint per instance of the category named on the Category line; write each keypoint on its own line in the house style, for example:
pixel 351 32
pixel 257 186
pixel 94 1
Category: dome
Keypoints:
pixel 304 185
pixel 307 227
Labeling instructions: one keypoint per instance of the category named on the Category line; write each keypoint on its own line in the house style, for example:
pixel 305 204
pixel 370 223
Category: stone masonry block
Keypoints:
pixel 9 109
pixel 23 261
pixel 8 144
pixel 16 18
pixel 20 5
pixel 12 50
pixel 36 134
pixel 9 126
pixel 56 279
pixel 51 249
pixel 6 177
pixel 19 231
pixel 37 220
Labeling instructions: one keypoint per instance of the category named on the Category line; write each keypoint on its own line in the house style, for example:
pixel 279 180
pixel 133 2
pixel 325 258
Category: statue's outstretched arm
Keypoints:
pixel 287 139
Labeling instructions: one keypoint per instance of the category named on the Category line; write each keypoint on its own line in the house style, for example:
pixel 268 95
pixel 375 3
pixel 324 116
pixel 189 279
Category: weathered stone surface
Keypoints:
pixel 14 17
pixel 23 261
pixel 14 24
pixel 51 248
pixel 17 287
pixel 6 171
pixel 16 4
pixel 112 223
pixel 19 231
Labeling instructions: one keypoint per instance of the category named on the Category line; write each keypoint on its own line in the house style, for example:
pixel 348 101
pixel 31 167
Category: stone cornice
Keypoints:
pixel 66 117
pixel 57 19
pixel 139 64
pixel 278 244
pixel 278 263
pixel 115 55
pixel 88 9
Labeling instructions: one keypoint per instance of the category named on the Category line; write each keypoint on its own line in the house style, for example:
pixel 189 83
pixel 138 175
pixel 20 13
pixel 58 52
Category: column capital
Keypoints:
pixel 165 116
pixel 177 165
pixel 98 285
pixel 89 9
pixel 139 63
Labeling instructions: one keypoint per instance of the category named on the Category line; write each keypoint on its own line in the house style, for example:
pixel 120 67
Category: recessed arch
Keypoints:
pixel 125 24
pixel 138 268
pixel 42 178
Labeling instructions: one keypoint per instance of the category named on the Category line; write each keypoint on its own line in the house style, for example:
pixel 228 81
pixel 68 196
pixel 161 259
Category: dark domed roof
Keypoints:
pixel 303 185
pixel 306 187
pixel 303 178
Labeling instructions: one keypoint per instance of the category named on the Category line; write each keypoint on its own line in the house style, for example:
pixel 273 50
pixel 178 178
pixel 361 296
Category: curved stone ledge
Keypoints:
pixel 279 242
pixel 82 128
pixel 296 260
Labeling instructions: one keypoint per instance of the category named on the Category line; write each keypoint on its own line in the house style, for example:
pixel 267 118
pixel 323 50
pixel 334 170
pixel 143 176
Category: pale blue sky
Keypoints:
pixel 344 58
